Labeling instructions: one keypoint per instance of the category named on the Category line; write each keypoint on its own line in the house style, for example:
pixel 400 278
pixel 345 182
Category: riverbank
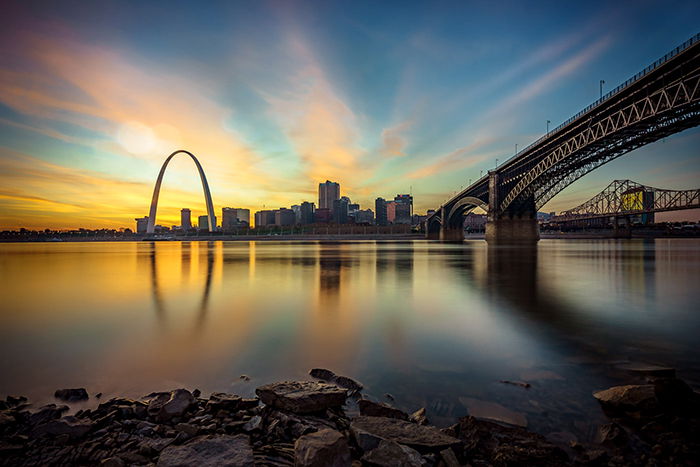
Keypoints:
pixel 329 421
pixel 227 238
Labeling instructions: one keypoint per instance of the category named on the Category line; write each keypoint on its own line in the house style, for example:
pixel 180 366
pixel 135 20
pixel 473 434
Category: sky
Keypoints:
pixel 274 97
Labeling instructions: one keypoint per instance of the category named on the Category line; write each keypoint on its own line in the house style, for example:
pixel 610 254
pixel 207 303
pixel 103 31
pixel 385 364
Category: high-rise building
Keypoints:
pixel 141 224
pixel 390 212
pixel 364 217
pixel 284 216
pixel 297 213
pixel 185 219
pixel 327 193
pixel 404 209
pixel 380 210
pixel 307 213
pixel 264 218
pixel 234 218
pixel 322 216
pixel 340 210
pixel 203 223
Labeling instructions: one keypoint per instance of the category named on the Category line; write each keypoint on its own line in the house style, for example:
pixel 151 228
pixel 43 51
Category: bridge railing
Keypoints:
pixel 685 45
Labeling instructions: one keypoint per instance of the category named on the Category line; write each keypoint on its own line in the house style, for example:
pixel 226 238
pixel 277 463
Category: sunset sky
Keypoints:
pixel 275 97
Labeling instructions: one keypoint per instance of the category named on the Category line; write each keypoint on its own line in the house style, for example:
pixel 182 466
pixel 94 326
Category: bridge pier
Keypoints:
pixel 622 227
pixel 512 231
pixel 451 234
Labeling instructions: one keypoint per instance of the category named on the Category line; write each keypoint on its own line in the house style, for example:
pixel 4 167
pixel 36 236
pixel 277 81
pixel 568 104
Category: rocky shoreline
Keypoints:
pixel 305 423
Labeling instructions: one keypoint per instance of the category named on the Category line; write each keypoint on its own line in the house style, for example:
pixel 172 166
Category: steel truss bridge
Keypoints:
pixel 628 198
pixel 661 100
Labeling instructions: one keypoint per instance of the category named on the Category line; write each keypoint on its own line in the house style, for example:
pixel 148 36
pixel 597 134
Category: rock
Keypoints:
pixel 419 417
pixel 112 462
pixel 322 448
pixel 492 411
pixel 209 451
pixel 646 369
pixel 46 413
pixel 301 396
pixel 369 431
pixel 223 401
pixel 611 434
pixel 71 395
pixel 449 458
pixel 166 406
pixel 14 401
pixel 322 373
pixel 245 377
pixel 375 409
pixel 389 396
pixel 70 426
pixel 516 383
pixel 631 397
pixel 255 423
pixel 186 428
pixel 495 444
pixel 342 381
pixel 392 454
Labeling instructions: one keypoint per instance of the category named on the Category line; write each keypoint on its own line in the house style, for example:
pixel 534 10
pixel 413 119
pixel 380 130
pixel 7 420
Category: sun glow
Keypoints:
pixel 136 138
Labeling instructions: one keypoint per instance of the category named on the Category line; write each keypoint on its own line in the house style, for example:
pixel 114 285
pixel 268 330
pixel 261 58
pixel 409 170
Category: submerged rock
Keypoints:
pixel 370 431
pixel 324 448
pixel 376 409
pixel 390 453
pixel 492 411
pixel 302 396
pixel 209 451
pixel 342 381
pixel 71 395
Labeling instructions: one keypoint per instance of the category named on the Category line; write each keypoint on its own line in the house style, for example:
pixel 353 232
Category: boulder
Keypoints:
pixel 322 448
pixel 322 373
pixel 71 395
pixel 419 417
pixel 342 381
pixel 209 451
pixel 375 409
pixel 46 413
pixel 301 396
pixel 223 401
pixel 370 431
pixel 631 397
pixel 70 426
pixel 392 454
pixel 166 406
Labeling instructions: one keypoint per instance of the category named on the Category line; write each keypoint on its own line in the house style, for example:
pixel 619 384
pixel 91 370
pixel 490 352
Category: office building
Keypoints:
pixel 340 210
pixel 327 193
pixel 141 224
pixel 322 216
pixel 307 211
pixel 380 211
pixel 284 216
pixel 390 212
pixel 203 223
pixel 185 219
pixel 364 216
pixel 264 218
pixel 403 209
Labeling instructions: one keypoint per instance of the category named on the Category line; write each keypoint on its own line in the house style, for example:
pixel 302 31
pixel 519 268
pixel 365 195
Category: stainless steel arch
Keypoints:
pixel 156 192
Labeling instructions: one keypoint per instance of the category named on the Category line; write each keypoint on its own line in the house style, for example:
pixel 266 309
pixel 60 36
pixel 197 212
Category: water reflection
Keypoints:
pixel 433 324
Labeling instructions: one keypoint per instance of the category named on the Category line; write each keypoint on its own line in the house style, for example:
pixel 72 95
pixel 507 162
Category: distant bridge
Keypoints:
pixel 659 101
pixel 628 198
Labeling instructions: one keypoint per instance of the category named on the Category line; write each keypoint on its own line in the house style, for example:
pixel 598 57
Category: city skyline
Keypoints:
pixel 288 95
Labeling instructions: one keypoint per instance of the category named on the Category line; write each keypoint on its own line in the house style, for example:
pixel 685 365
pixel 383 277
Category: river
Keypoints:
pixel 434 325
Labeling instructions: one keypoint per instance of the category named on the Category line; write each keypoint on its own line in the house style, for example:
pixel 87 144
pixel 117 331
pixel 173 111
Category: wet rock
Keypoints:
pixel 419 417
pixel 389 396
pixel 14 401
pixel 245 377
pixel 166 406
pixel 209 451
pixel 370 431
pixel 375 409
pixel 516 383
pixel 322 373
pixel 449 458
pixel 647 369
pixel 322 448
pixel 70 426
pixel 493 411
pixel 112 462
pixel 491 443
pixel 186 428
pixel 390 453
pixel 46 413
pixel 255 423
pixel 223 401
pixel 71 395
pixel 611 434
pixel 631 397
pixel 342 381
pixel 301 396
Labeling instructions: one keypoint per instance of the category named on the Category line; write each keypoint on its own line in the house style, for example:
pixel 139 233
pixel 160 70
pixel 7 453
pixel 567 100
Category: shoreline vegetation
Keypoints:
pixel 329 421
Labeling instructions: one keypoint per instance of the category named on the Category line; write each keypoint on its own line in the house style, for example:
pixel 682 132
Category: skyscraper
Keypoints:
pixel 307 213
pixel 327 193
pixel 185 219
pixel 404 209
pixel 340 210
pixel 380 211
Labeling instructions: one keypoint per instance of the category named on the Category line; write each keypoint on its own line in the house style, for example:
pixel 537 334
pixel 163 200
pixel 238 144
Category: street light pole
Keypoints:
pixel 497 163
pixel 548 122
pixel 602 82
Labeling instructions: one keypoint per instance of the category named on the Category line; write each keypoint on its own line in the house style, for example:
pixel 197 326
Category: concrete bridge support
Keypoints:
pixel 509 228
pixel 451 234
pixel 622 227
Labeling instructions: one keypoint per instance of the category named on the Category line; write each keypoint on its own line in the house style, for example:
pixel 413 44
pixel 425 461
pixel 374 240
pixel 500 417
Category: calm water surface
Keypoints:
pixel 435 325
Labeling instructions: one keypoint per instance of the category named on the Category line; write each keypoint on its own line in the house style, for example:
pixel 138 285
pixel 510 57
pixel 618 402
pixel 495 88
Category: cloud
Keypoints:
pixel 394 139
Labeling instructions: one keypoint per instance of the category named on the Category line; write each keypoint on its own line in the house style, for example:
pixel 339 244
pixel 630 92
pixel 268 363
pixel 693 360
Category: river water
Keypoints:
pixel 434 325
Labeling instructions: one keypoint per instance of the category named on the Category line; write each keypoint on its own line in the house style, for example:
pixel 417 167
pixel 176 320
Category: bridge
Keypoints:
pixel 661 100
pixel 623 199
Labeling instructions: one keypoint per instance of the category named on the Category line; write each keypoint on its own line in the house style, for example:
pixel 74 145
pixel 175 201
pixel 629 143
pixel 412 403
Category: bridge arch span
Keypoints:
pixel 156 192
pixel 462 207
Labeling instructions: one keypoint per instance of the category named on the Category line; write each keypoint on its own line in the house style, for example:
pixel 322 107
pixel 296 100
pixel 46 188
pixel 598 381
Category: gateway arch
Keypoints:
pixel 156 192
